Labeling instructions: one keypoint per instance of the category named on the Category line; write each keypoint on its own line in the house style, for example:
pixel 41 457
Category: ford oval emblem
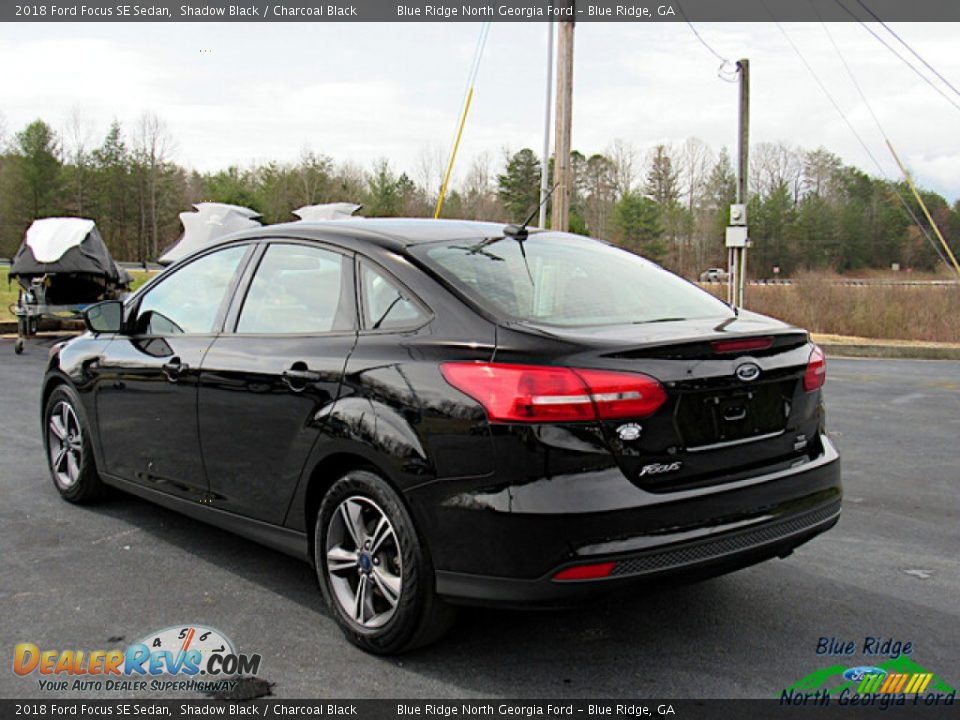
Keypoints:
pixel 747 372
pixel 856 674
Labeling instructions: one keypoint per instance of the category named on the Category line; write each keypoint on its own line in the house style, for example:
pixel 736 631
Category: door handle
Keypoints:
pixel 174 369
pixel 298 375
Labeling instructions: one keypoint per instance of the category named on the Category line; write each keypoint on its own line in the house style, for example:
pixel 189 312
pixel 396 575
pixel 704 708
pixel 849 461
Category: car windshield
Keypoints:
pixel 565 280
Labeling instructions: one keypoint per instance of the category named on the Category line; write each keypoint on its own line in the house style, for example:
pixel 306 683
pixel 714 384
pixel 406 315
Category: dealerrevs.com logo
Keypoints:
pixel 184 657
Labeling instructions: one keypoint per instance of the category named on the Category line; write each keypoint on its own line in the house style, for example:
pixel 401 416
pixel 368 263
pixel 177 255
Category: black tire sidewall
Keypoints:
pixel 417 587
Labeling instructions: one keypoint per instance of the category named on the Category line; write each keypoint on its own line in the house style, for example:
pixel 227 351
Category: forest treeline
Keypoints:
pixel 807 210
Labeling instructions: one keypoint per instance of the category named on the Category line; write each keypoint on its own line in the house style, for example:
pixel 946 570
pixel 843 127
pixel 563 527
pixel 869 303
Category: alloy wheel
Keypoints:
pixel 364 565
pixel 65 444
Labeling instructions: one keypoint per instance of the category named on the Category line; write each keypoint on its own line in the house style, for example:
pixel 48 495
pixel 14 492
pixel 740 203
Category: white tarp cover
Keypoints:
pixel 210 222
pixel 327 211
pixel 50 238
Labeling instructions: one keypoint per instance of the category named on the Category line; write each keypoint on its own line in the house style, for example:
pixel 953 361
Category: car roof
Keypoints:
pixel 392 233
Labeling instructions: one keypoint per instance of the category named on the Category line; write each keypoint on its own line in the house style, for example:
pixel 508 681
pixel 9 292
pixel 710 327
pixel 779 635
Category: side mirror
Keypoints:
pixel 104 317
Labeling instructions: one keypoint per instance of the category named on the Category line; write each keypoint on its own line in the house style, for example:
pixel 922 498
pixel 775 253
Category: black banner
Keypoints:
pixel 480 10
pixel 511 709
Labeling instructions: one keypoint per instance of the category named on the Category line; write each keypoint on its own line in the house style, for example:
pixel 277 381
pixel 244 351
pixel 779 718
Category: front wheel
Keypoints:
pixel 375 574
pixel 69 453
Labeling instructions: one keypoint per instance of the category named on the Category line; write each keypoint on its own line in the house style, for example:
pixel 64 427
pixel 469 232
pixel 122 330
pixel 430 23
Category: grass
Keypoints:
pixel 9 291
pixel 911 312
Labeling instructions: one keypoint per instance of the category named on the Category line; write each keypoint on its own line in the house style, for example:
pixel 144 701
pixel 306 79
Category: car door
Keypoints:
pixel 147 393
pixel 267 386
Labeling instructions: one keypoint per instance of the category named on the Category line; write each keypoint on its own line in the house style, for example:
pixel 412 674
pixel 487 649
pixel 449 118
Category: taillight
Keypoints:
pixel 816 374
pixel 538 393
pixel 744 345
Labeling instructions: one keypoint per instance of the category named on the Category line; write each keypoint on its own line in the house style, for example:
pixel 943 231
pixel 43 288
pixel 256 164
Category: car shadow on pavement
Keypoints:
pixel 487 650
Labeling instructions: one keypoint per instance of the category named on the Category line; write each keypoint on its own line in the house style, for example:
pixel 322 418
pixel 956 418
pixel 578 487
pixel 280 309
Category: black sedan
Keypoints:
pixel 437 413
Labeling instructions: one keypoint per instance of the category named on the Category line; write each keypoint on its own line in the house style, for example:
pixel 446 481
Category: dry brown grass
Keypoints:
pixel 904 312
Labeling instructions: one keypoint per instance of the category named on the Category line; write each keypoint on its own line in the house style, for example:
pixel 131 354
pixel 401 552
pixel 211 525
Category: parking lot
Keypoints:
pixel 96 577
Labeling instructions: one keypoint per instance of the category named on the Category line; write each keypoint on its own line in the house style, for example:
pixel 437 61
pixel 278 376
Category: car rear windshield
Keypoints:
pixel 565 280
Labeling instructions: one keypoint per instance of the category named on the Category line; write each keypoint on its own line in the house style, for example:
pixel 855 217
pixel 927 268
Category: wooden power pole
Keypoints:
pixel 737 233
pixel 563 175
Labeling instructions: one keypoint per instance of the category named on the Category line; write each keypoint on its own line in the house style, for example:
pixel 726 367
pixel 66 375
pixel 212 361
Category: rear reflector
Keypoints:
pixel 816 374
pixel 540 394
pixel 586 572
pixel 745 345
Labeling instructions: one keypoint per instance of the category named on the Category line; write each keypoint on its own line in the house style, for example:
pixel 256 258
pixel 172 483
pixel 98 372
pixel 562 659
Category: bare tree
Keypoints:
pixel 479 197
pixel 153 147
pixel 773 165
pixel 313 173
pixel 78 137
pixel 696 160
pixel 820 169
pixel 428 171
pixel 626 166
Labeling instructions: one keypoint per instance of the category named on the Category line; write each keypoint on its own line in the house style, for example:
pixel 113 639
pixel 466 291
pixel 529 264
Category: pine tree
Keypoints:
pixel 519 185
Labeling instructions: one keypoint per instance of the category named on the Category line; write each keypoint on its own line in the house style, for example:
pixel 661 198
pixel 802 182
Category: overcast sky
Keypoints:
pixel 239 93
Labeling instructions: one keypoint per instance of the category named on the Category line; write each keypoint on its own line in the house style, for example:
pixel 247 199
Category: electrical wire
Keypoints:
pixel 465 109
pixel 902 59
pixel 846 120
pixel 883 134
pixel 728 70
pixel 913 52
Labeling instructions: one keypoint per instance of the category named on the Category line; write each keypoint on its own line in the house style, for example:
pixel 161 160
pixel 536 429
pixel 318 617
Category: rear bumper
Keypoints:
pixel 724 553
pixel 703 533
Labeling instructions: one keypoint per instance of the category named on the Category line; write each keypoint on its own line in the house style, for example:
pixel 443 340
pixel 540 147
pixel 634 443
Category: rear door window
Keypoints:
pixel 386 305
pixel 298 289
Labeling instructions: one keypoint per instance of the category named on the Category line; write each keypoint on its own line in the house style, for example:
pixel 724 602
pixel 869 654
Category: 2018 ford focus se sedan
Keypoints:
pixel 440 412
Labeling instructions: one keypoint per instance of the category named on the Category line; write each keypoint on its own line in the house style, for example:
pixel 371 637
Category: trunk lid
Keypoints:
pixel 727 413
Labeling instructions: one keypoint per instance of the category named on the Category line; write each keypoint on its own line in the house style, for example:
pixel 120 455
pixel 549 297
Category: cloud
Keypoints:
pixel 236 93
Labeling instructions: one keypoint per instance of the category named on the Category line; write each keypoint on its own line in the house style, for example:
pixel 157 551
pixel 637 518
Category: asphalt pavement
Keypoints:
pixel 100 576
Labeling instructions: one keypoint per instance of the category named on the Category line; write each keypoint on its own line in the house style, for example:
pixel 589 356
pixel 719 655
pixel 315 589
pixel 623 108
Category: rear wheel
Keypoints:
pixel 69 454
pixel 375 574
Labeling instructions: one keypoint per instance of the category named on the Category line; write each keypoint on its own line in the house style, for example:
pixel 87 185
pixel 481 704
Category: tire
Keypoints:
pixel 387 559
pixel 70 457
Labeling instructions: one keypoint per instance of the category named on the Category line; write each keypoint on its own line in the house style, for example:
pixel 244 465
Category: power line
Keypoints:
pixel 846 120
pixel 876 120
pixel 902 59
pixel 723 72
pixel 903 42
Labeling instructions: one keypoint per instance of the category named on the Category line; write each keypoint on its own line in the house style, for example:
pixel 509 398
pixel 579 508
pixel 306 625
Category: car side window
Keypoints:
pixel 189 300
pixel 386 306
pixel 299 289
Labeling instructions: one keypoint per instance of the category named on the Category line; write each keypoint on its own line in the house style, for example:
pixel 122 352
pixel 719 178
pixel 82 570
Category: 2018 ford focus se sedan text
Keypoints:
pixel 441 412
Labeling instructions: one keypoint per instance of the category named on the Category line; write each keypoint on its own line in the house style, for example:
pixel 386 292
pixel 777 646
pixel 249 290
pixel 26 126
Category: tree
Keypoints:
pixel 623 158
pixel 638 218
pixel 820 172
pixel 37 156
pixel 479 200
pixel 519 185
pixel 663 181
pixel 152 147
pixel 77 172
pixel 598 188
pixel 383 196
pixel 113 200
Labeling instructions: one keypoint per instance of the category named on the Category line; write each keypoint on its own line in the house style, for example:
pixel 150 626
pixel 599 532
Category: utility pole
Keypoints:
pixel 564 120
pixel 738 240
pixel 545 158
